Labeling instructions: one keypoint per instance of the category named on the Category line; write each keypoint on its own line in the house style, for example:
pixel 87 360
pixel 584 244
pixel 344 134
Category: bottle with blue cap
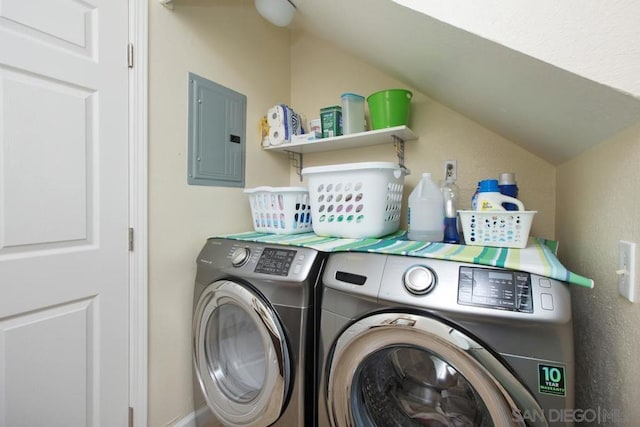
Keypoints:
pixel 474 198
pixel 451 194
pixel 490 198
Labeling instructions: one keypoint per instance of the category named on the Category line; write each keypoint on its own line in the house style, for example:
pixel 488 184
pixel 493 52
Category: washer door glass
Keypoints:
pixel 240 355
pixel 402 369
pixel 409 386
pixel 235 353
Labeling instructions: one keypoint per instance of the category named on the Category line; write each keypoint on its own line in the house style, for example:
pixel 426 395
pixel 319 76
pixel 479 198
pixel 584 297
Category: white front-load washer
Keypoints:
pixel 254 332
pixel 419 342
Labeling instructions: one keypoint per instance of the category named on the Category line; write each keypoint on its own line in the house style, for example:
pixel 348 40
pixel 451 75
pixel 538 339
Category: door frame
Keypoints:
pixel 138 208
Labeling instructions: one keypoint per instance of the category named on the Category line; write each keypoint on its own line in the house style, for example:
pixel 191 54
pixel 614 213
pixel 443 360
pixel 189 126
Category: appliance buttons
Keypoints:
pixel 240 256
pixel 419 280
pixel 546 301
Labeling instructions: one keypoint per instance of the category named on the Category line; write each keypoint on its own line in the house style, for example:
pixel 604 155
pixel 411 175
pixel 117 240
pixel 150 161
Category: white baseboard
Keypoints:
pixel 201 417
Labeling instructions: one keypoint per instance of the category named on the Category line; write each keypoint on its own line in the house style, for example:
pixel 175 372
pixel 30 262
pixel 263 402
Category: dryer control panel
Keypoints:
pixel 252 260
pixel 501 289
pixel 275 261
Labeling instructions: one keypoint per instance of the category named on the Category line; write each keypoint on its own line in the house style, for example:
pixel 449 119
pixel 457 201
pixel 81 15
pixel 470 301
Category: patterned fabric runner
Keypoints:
pixel 539 257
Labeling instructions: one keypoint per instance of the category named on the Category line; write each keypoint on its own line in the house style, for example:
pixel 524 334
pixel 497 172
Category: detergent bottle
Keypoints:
pixel 490 198
pixel 508 187
pixel 474 198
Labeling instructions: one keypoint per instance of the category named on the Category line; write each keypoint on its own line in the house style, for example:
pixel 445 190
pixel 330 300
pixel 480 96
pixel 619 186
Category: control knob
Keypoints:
pixel 240 256
pixel 419 280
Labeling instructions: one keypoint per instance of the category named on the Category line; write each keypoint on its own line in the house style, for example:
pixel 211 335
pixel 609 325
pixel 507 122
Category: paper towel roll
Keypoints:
pixel 283 124
pixel 277 115
pixel 278 135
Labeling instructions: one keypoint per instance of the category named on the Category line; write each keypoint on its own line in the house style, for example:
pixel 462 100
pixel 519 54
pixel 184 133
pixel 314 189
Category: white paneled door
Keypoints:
pixel 64 327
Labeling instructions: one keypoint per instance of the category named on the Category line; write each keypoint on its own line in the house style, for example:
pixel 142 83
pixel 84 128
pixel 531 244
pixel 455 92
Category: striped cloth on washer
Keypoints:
pixel 539 257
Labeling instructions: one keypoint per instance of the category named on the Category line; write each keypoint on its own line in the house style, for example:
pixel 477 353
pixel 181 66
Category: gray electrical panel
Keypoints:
pixel 217 132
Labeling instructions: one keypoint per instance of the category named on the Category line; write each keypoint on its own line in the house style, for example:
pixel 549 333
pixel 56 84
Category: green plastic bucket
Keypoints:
pixel 389 108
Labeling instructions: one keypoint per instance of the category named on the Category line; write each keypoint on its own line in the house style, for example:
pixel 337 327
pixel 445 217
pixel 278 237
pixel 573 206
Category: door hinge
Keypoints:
pixel 130 55
pixel 130 416
pixel 130 239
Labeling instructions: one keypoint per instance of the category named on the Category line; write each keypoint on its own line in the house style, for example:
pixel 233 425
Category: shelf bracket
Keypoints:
pixel 296 159
pixel 398 143
pixel 167 3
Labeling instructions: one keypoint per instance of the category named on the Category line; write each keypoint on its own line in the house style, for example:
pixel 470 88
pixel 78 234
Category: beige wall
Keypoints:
pixel 227 42
pixel 320 73
pixel 598 205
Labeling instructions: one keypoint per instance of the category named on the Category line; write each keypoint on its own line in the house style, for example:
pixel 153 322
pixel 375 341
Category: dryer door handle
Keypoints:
pixel 354 279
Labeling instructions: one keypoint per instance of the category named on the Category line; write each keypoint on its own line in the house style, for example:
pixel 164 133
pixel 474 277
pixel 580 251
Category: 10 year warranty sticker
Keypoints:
pixel 551 380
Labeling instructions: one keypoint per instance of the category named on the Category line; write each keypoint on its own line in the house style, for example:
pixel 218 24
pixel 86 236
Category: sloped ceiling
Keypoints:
pixel 548 111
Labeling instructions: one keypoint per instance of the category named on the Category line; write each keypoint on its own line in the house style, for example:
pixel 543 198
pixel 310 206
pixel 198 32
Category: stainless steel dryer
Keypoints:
pixel 254 326
pixel 415 342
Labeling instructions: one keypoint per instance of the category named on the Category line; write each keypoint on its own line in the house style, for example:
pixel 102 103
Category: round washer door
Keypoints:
pixel 240 355
pixel 398 369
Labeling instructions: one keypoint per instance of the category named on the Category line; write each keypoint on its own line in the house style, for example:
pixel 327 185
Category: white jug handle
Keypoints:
pixel 518 203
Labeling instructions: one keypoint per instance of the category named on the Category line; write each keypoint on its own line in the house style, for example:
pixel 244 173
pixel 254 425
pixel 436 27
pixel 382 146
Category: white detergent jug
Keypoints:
pixel 426 211
pixel 490 198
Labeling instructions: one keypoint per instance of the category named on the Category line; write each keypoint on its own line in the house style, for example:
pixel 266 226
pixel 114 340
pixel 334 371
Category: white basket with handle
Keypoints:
pixel 504 229
pixel 280 210
pixel 355 200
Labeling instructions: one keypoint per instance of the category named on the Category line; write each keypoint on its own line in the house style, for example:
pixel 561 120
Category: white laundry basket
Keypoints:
pixel 280 210
pixel 503 229
pixel 355 200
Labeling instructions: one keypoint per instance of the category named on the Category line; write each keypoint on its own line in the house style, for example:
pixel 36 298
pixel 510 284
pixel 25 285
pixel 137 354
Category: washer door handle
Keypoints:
pixel 502 393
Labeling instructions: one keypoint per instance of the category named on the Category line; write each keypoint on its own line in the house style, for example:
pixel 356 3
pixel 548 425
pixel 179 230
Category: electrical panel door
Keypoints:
pixel 217 131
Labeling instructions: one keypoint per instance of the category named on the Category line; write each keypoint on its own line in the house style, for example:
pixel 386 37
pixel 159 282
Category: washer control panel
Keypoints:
pixel 501 289
pixel 272 260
